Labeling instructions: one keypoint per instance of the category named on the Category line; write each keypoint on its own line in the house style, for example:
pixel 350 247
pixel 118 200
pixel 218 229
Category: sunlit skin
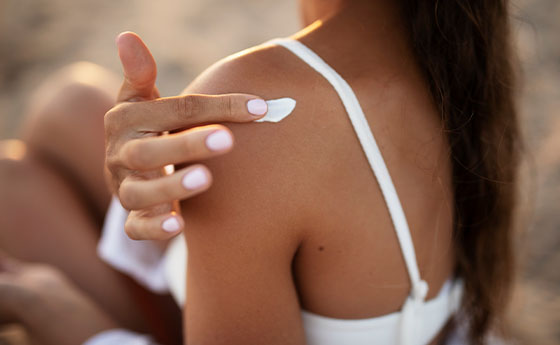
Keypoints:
pixel 294 218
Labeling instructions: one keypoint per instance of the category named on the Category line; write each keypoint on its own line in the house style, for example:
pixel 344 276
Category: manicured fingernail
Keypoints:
pixel 219 140
pixel 195 179
pixel 171 225
pixel 257 107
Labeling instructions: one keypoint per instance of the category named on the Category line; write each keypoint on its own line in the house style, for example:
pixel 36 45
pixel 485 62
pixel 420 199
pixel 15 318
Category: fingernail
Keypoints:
pixel 171 225
pixel 257 107
pixel 219 140
pixel 195 179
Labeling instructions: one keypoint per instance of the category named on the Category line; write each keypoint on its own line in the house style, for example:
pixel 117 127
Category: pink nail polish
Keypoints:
pixel 195 179
pixel 257 107
pixel 219 140
pixel 171 225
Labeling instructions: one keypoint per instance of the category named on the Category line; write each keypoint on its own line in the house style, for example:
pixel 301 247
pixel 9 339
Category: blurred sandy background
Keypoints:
pixel 39 36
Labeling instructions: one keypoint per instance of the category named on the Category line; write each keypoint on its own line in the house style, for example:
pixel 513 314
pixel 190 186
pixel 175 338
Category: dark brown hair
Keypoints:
pixel 463 46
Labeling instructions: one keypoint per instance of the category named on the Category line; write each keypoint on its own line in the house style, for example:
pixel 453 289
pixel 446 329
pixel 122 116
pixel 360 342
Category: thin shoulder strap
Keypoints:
pixel 374 157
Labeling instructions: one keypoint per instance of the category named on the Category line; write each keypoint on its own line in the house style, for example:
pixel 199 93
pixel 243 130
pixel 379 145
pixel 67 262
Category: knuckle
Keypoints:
pixel 229 111
pixel 115 117
pixel 131 230
pixel 186 106
pixel 109 121
pixel 139 228
pixel 135 155
pixel 128 196
pixel 225 106
pixel 111 162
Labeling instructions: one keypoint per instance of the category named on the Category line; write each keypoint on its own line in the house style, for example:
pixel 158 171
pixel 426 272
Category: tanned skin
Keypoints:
pixel 295 218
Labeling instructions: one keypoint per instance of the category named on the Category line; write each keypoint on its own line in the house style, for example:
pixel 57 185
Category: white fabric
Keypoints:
pixel 119 337
pixel 384 329
pixel 139 259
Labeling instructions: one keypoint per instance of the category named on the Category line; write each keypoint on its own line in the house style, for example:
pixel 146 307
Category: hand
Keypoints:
pixel 47 304
pixel 136 150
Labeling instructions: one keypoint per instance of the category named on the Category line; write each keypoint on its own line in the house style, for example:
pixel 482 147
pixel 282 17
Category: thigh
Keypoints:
pixel 64 128
pixel 53 192
pixel 54 198
pixel 42 219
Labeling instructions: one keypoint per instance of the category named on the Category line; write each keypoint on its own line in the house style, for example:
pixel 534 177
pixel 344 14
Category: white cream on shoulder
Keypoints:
pixel 278 109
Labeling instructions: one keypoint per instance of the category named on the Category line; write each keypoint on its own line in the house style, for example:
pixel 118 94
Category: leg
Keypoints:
pixel 53 199
pixel 65 128
pixel 44 220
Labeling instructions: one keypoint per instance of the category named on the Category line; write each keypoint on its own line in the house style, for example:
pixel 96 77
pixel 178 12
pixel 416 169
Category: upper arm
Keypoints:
pixel 243 233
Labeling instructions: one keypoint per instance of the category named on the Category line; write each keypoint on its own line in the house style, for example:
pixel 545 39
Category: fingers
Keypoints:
pixel 136 194
pixel 172 113
pixel 162 227
pixel 191 145
pixel 139 68
pixel 152 200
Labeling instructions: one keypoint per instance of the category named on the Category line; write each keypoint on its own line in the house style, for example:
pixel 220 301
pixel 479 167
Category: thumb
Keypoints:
pixel 139 69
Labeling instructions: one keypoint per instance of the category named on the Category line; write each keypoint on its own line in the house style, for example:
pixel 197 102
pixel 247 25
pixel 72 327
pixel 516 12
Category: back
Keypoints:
pixel 308 175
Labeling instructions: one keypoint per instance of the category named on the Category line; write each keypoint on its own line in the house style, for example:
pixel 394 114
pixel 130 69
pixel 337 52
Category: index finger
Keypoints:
pixel 179 112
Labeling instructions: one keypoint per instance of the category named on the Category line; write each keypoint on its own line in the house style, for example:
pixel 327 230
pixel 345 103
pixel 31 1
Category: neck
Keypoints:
pixel 313 10
pixel 360 10
pixel 352 18
pixel 371 30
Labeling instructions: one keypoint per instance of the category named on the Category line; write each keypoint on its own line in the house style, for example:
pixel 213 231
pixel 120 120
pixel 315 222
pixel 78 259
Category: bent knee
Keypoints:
pixel 76 95
pixel 80 79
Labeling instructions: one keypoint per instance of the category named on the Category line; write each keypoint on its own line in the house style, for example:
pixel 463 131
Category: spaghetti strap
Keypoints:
pixel 419 288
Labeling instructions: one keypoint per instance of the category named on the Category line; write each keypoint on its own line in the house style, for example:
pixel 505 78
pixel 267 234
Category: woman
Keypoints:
pixel 304 225
pixel 297 221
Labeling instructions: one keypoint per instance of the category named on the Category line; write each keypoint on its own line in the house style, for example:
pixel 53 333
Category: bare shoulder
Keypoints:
pixel 243 232
pixel 273 166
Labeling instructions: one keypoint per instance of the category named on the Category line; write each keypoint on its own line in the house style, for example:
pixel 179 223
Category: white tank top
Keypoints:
pixel 417 323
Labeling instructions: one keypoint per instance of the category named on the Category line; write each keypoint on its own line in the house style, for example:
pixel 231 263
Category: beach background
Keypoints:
pixel 38 37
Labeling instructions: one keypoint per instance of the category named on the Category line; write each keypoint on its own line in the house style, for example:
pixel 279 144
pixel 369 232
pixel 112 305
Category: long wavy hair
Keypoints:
pixel 463 47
